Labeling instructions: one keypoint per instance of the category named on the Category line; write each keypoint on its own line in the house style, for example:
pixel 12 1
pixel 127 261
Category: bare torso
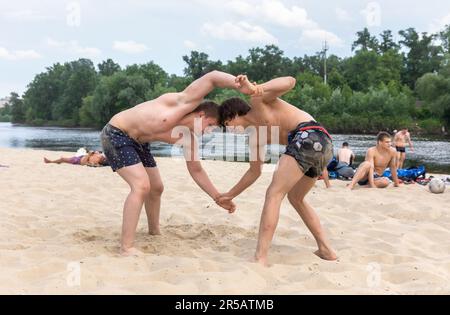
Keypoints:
pixel 153 120
pixel 401 139
pixel 382 159
pixel 279 114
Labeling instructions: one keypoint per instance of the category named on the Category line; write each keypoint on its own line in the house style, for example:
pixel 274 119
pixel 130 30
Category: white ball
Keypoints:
pixel 437 186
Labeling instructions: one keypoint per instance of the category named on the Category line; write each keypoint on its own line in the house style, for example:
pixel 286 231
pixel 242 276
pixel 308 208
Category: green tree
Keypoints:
pixel 365 41
pixel 423 56
pixel 266 63
pixel 149 71
pixel 80 79
pixel 198 64
pixel 387 42
pixel 17 108
pixel 112 95
pixel 108 68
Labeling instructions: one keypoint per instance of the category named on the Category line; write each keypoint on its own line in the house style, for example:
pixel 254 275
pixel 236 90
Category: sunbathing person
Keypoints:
pixel 93 158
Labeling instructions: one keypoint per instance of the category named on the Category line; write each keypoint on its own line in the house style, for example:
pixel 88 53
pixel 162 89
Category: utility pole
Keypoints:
pixel 325 49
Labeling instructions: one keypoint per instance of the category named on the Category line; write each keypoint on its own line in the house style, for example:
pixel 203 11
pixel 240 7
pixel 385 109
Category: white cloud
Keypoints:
pixel 74 48
pixel 26 15
pixel 439 24
pixel 18 54
pixel 273 11
pixel 343 15
pixel 276 12
pixel 190 44
pixel 319 36
pixel 241 31
pixel 130 47
pixel 241 7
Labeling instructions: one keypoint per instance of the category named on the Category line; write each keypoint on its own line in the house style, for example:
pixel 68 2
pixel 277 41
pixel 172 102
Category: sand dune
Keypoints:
pixel 58 219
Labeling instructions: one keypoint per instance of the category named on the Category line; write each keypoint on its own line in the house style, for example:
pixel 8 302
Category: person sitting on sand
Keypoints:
pixel 174 118
pixel 309 149
pixel 378 158
pixel 345 154
pixel 93 158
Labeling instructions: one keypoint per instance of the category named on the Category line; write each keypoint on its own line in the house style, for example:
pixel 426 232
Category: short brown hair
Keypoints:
pixel 383 135
pixel 231 108
pixel 211 109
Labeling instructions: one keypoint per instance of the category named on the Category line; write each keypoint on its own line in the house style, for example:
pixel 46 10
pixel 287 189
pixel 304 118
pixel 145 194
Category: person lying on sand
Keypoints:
pixel 93 158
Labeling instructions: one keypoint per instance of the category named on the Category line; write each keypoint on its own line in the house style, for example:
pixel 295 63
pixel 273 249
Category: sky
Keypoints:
pixel 36 34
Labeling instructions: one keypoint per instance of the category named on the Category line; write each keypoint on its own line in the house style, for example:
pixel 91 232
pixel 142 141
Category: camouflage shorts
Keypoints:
pixel 312 148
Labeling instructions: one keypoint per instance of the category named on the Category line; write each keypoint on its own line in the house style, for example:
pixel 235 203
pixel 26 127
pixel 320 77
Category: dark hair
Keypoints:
pixel 231 108
pixel 211 109
pixel 383 135
pixel 345 144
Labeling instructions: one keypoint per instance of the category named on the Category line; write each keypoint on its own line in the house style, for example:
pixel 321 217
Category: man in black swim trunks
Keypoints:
pixel 270 120
pixel 401 139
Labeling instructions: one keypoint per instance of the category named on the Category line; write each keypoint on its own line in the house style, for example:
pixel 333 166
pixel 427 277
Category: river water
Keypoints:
pixel 433 153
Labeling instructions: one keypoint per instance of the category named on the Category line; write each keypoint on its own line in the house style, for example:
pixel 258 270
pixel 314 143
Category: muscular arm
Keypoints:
pixel 257 156
pixel 190 148
pixel 393 166
pixel 370 157
pixel 276 88
pixel 408 138
pixel 198 174
pixel 269 91
pixel 249 178
pixel 193 95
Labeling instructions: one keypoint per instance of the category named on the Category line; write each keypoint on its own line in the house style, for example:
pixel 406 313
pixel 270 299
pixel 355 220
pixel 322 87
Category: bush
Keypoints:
pixel 431 126
pixel 5 118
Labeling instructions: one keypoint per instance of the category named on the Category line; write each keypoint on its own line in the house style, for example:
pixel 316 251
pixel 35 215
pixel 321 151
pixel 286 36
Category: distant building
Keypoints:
pixel 3 101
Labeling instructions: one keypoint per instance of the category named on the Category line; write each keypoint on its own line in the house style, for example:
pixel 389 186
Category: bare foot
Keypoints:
pixel 350 187
pixel 326 254
pixel 47 160
pixel 131 252
pixel 262 261
pixel 154 232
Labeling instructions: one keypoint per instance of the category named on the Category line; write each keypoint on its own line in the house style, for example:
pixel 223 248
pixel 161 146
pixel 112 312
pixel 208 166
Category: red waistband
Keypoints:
pixel 316 128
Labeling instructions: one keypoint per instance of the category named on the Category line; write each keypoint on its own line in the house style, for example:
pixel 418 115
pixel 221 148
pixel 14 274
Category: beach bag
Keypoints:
pixel 332 165
pixel 412 173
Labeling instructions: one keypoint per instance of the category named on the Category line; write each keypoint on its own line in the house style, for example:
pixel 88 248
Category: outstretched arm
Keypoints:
pixel 257 157
pixel 197 90
pixel 370 157
pixel 393 166
pixel 271 90
pixel 199 175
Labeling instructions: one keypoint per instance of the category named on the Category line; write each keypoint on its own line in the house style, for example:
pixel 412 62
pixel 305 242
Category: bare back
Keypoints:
pixel 345 155
pixel 277 113
pixel 152 120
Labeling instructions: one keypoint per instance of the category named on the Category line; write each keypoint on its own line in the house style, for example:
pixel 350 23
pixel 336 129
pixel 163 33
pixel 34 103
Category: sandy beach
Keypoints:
pixel 61 221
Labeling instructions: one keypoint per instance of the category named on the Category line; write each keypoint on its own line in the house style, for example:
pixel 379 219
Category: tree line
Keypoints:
pixel 384 85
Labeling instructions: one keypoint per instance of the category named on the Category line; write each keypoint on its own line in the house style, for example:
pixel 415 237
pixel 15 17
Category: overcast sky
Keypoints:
pixel 36 34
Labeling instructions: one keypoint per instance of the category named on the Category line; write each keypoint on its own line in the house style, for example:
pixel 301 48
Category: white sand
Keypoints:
pixel 56 218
